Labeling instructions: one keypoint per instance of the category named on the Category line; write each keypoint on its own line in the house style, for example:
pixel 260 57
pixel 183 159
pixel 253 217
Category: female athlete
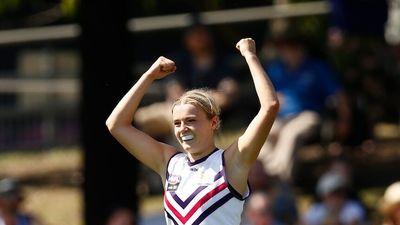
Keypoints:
pixel 203 184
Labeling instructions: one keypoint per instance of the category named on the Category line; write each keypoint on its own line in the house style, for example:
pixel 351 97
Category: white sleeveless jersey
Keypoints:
pixel 198 193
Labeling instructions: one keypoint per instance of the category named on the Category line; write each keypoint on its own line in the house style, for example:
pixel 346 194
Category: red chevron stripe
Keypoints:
pixel 201 202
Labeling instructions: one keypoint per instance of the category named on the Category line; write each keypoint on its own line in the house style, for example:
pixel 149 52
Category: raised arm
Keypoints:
pixel 147 150
pixel 241 155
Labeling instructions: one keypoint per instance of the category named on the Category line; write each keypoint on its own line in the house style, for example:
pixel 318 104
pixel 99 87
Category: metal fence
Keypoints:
pixel 39 99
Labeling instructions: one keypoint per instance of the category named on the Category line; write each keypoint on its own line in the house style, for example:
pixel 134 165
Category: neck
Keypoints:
pixel 193 156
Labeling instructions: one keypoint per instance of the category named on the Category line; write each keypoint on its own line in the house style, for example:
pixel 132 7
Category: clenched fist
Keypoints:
pixel 161 68
pixel 246 46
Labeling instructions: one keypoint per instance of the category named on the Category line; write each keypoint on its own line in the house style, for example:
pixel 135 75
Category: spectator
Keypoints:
pixel 283 204
pixel 200 64
pixel 342 167
pixel 10 201
pixel 258 210
pixel 352 18
pixel 304 86
pixel 389 204
pixel 121 216
pixel 392 31
pixel 368 71
pixel 335 206
pixel 258 178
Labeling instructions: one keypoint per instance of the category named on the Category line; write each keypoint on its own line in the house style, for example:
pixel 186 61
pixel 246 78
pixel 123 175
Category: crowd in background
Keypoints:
pixel 336 98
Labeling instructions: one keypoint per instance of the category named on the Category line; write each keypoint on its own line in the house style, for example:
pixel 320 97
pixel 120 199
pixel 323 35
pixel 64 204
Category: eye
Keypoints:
pixel 177 123
pixel 191 120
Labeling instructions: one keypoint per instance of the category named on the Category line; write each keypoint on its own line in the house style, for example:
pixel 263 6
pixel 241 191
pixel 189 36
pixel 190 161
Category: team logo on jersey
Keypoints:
pixel 173 182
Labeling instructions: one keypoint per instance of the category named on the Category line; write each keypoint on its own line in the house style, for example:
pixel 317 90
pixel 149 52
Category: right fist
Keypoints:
pixel 161 68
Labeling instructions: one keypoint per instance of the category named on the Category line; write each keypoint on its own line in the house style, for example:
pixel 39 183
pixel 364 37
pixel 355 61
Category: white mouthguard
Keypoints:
pixel 187 137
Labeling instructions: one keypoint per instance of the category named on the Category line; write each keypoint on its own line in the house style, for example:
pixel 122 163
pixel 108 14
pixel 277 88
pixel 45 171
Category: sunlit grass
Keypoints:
pixel 22 164
pixel 55 205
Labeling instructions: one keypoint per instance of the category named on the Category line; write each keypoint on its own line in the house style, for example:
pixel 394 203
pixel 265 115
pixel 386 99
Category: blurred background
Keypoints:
pixel 64 65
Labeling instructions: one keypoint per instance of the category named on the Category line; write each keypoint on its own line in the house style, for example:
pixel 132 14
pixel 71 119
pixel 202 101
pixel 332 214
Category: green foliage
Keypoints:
pixel 149 5
pixel 310 26
pixel 69 7
pixel 20 13
pixel 9 6
pixel 157 7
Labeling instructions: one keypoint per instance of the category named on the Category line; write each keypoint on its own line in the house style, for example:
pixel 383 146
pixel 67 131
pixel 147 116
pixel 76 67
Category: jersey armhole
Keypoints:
pixel 234 192
pixel 167 165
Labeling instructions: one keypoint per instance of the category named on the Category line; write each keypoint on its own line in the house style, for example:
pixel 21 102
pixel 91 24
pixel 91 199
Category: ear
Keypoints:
pixel 215 122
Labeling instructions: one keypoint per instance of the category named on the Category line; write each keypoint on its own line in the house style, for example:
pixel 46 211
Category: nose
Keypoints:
pixel 183 127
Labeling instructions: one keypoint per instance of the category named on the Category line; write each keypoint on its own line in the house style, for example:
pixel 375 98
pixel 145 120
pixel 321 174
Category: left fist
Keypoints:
pixel 246 46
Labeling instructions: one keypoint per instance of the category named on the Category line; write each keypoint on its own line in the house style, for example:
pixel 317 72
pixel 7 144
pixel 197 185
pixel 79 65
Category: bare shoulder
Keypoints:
pixel 238 155
pixel 236 170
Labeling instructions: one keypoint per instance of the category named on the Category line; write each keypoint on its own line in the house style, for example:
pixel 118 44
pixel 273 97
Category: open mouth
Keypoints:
pixel 187 137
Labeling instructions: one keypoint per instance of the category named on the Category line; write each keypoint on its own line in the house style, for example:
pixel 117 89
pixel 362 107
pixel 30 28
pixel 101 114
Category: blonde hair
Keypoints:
pixel 202 98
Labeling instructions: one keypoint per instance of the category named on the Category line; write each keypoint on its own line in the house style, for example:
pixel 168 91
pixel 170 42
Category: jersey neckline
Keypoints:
pixel 201 159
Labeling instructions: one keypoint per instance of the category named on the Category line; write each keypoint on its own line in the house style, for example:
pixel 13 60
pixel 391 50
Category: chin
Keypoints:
pixel 187 147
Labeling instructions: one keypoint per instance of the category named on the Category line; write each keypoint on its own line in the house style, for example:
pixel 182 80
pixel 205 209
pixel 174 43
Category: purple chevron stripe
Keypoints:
pixel 212 208
pixel 219 175
pixel 183 204
pixel 170 217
